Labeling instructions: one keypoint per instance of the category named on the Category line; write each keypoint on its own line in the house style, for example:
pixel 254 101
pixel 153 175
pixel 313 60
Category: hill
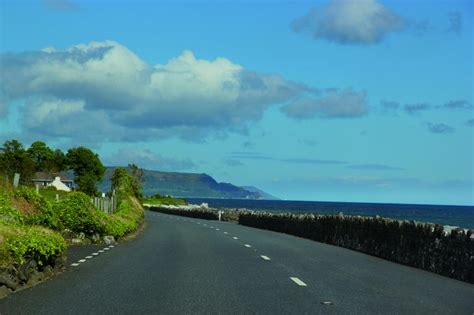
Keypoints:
pixel 263 194
pixel 188 185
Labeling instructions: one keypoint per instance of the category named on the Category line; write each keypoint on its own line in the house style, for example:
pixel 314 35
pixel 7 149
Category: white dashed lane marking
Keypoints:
pixel 226 233
pixel 217 229
pixel 74 264
pixel 247 245
pixel 235 238
pixel 88 257
pixel 82 260
pixel 298 282
pixel 265 257
pixel 106 248
pixel 95 254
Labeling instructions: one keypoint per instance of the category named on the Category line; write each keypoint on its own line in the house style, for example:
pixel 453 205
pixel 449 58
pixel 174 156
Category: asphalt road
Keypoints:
pixel 190 266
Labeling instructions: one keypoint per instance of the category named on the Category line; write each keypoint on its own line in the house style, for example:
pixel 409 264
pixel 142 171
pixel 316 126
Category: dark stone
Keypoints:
pixel 9 277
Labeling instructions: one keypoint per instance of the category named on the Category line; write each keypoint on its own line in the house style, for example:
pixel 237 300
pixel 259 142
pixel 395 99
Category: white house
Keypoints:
pixel 58 180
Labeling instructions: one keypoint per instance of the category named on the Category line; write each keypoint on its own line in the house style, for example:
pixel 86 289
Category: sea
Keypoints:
pixel 462 216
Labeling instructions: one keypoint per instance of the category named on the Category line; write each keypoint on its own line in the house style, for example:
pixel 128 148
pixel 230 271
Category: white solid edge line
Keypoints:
pixel 82 260
pixel 247 245
pixel 74 264
pixel 235 238
pixel 298 282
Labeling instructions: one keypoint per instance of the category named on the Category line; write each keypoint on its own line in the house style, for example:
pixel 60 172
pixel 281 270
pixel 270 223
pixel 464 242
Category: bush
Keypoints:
pixel 36 243
pixel 125 219
pixel 43 214
pixel 77 213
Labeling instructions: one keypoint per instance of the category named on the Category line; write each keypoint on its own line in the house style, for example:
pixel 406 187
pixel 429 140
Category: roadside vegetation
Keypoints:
pixel 38 226
pixel 159 200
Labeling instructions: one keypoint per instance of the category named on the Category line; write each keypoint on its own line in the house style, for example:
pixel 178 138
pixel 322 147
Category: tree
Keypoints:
pixel 59 162
pixel 87 168
pixel 14 159
pixel 42 155
pixel 120 179
pixel 137 180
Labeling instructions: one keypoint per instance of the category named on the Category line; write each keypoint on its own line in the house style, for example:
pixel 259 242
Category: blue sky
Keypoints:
pixel 338 100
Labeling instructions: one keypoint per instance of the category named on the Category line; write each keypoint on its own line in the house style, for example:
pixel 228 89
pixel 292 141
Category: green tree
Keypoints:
pixel 42 155
pixel 15 159
pixel 59 162
pixel 87 168
pixel 137 180
pixel 120 180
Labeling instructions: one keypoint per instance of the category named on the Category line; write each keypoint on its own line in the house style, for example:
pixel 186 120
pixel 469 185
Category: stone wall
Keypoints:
pixel 194 213
pixel 420 245
pixel 17 277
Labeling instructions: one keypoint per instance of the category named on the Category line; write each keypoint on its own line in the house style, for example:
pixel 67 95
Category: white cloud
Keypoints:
pixel 126 98
pixel 349 22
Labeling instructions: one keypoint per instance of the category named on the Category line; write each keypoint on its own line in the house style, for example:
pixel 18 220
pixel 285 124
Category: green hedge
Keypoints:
pixel 419 245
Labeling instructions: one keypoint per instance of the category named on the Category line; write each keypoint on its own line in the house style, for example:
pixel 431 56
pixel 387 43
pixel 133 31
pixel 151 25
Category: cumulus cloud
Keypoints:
pixel 349 22
pixel 439 128
pixel 147 159
pixel 332 104
pixel 455 22
pixel 103 88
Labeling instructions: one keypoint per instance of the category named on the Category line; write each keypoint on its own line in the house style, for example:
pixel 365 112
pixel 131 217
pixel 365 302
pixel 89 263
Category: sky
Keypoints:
pixel 334 100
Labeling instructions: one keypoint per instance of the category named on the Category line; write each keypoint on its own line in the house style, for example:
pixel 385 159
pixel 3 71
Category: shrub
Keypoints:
pixel 43 213
pixel 77 213
pixel 35 243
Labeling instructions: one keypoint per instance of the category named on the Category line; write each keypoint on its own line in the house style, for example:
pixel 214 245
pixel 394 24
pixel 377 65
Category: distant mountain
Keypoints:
pixel 188 185
pixel 263 194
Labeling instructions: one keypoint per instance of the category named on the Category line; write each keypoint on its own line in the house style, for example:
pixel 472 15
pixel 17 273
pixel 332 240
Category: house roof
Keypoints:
pixel 49 176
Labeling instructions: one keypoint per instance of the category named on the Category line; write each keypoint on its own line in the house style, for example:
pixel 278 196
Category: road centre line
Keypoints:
pixel 298 282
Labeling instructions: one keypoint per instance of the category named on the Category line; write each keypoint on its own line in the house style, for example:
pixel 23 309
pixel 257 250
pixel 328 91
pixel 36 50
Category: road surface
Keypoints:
pixel 191 266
